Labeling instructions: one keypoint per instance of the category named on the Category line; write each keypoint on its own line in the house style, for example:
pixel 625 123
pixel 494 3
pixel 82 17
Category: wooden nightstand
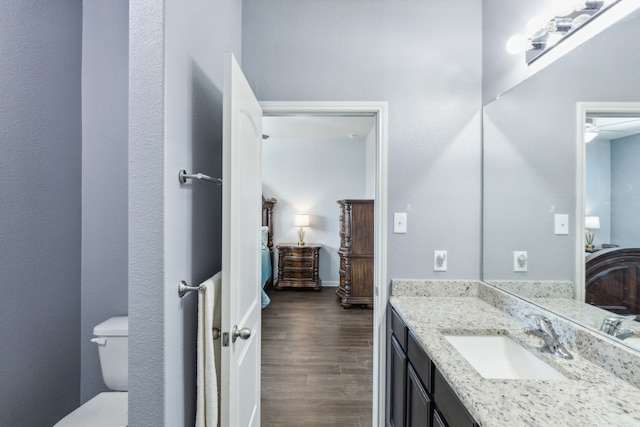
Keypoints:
pixel 298 266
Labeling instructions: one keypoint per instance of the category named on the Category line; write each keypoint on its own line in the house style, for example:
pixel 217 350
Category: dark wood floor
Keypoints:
pixel 317 361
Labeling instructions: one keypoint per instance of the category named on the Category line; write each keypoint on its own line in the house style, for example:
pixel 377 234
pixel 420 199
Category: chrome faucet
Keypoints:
pixel 611 325
pixel 545 331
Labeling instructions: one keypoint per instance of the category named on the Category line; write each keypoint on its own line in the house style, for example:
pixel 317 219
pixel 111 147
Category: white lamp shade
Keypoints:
pixel 592 222
pixel 301 220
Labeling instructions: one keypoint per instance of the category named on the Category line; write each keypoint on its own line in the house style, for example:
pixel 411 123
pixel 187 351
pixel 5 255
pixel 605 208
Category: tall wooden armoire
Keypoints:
pixel 356 252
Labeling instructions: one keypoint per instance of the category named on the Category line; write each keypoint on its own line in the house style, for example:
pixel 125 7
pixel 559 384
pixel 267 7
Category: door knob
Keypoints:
pixel 243 333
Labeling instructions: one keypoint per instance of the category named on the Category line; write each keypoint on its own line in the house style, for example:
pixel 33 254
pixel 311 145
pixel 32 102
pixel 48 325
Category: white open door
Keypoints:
pixel 241 220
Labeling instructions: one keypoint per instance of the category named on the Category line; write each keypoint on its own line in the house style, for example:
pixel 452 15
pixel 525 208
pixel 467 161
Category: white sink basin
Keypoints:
pixel 499 357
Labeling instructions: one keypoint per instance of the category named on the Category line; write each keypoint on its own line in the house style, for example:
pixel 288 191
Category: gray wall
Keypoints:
pixel 175 114
pixel 598 187
pixel 40 210
pixel 105 75
pixel 310 175
pixel 406 53
pixel 625 184
pixel 525 186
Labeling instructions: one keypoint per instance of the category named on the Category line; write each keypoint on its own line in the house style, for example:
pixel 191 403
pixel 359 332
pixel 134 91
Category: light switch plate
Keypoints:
pixel 562 224
pixel 400 222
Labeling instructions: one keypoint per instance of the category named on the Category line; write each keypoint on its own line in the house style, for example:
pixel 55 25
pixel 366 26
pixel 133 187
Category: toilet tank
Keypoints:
pixel 112 337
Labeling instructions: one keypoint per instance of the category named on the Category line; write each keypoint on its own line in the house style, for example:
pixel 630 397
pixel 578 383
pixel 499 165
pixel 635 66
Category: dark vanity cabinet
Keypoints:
pixel 396 370
pixel 418 401
pixel 417 394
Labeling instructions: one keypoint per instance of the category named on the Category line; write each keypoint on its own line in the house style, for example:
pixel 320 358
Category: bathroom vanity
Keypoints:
pixel 418 393
pixel 430 382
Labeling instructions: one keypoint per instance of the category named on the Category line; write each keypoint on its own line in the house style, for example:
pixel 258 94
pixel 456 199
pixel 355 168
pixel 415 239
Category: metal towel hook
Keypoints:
pixel 183 176
pixel 183 288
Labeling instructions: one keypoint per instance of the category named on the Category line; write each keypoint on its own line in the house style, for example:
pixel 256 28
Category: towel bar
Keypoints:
pixel 183 176
pixel 183 288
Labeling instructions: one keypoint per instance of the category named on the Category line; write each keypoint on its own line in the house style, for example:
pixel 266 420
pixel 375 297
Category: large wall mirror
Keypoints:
pixel 535 200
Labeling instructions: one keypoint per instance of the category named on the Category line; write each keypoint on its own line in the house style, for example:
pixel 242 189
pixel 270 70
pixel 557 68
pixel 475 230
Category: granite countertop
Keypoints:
pixel 591 396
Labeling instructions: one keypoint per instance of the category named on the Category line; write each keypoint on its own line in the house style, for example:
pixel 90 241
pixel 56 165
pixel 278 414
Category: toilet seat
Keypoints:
pixel 107 409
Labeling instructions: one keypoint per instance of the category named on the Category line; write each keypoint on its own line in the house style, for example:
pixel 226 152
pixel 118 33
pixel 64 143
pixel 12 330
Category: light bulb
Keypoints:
pixel 535 26
pixel 518 44
pixel 563 7
pixel 580 20
pixel 579 5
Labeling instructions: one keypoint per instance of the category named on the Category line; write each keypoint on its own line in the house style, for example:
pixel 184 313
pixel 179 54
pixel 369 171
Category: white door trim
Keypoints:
pixel 379 109
pixel 582 108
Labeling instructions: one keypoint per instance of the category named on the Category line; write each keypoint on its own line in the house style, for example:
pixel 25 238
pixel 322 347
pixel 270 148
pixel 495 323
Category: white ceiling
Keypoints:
pixel 358 127
pixel 317 127
pixel 609 128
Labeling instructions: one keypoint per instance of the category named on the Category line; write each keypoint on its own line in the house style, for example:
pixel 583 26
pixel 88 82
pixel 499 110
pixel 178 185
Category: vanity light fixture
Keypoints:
pixel 545 31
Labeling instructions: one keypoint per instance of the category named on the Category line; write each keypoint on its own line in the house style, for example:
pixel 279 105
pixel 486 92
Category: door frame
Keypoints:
pixel 381 285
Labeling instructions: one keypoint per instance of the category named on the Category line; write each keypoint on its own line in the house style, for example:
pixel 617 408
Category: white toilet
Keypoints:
pixel 107 409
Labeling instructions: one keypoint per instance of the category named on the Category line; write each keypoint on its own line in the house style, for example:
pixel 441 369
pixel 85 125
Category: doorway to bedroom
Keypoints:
pixel 315 154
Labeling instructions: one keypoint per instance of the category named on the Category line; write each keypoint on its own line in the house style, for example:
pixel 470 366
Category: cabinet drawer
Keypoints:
pixel 297 252
pixel 294 273
pixel 399 329
pixel 297 262
pixel 420 361
pixel 449 406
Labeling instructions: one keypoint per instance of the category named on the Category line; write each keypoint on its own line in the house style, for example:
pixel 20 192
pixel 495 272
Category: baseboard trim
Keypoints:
pixel 327 284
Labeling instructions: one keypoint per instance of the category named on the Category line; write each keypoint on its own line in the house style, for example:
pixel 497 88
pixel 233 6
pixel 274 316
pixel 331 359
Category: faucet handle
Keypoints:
pixel 536 317
pixel 543 323
pixel 546 332
pixel 610 324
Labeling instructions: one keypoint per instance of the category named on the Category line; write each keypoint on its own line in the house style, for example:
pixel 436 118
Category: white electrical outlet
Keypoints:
pixel 520 261
pixel 439 260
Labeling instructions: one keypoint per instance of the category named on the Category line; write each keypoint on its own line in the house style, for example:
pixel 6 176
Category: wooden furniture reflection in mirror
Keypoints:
pixel 356 252
pixel 612 280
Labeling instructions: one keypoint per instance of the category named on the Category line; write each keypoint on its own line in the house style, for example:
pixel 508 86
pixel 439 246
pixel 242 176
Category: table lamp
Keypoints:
pixel 301 220
pixel 590 222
